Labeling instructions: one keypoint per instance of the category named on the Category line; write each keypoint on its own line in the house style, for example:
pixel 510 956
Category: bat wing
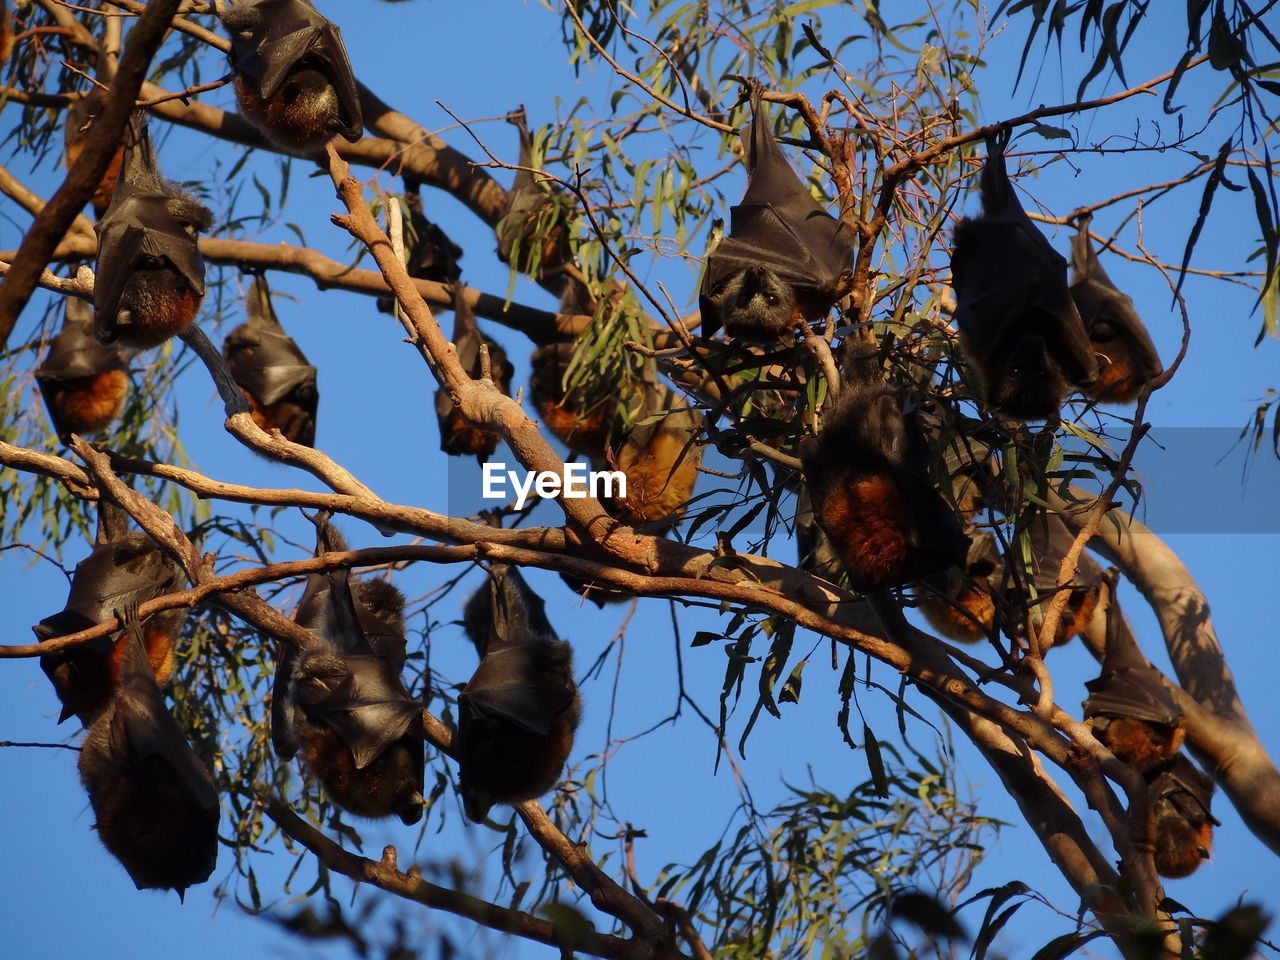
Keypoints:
pixel 1137 694
pixel 1188 789
pixel 519 615
pixel 510 686
pixel 75 352
pixel 1099 301
pixel 270 365
pixel 359 699
pixel 118 573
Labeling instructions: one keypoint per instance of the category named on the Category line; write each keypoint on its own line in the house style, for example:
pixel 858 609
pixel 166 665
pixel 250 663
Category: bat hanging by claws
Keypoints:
pixel 518 712
pixel 83 382
pixel 458 437
pixel 1183 825
pixel 341 702
pixel 1129 708
pixel 1127 359
pixel 150 275
pixel 292 76
pixel 81 113
pixel 785 260
pixel 869 484
pixel 272 371
pixel 1018 323
pixel 122 569
pixel 155 802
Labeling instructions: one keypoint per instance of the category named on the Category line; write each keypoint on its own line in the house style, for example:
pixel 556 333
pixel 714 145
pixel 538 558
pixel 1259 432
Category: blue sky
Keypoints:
pixel 480 60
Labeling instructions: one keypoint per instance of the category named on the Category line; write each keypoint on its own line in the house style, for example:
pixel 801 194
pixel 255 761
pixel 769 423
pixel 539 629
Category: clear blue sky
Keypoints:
pixel 480 60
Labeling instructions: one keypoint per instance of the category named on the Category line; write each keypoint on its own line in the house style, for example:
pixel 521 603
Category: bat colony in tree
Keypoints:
pixel 870 511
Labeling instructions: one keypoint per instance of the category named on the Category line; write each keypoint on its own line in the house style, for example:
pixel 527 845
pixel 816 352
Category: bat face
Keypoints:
pixel 155 802
pixel 292 75
pixel 458 437
pixel 341 702
pixel 786 260
pixel 272 371
pixel 1127 359
pixel 83 381
pixel 583 429
pixel 127 571
pixel 871 493
pixel 660 460
pixel 1180 797
pixel 1017 320
pixel 150 275
pixel 518 712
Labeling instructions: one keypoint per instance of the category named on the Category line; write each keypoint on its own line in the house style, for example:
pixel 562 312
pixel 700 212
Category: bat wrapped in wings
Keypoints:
pixel 150 275
pixel 154 800
pixel 1127 357
pixel 869 484
pixel 785 260
pixel 292 76
pixel 659 457
pixel 1183 824
pixel 123 569
pixel 272 370
pixel 1017 320
pixel 341 702
pixel 518 712
pixel 458 437
pixel 1130 709
pixel 83 381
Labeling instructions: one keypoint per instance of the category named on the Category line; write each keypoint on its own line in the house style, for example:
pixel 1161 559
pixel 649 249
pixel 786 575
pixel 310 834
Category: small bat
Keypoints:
pixel 292 76
pixel 583 429
pixel 1180 797
pixel 1128 358
pixel 1132 712
pixel 458 437
pixel 518 712
pixel 150 275
pixel 129 569
pixel 433 256
pixel 155 802
pixel 80 116
pixel 1017 321
pixel 532 237
pixel 83 381
pixel 869 483
pixel 341 703
pixel 272 370
pixel 785 260
pixel 660 459
pixel 961 604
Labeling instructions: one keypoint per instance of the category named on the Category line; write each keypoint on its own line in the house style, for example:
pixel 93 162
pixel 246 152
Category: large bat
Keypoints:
pixel 341 701
pixel 659 458
pixel 150 275
pixel 83 381
pixel 1131 711
pixel 457 436
pixel 125 570
pixel 1180 796
pixel 272 371
pixel 80 116
pixel 785 260
pixel 155 802
pixel 1128 358
pixel 518 712
pixel 583 429
pixel 869 483
pixel 292 75
pixel 1017 320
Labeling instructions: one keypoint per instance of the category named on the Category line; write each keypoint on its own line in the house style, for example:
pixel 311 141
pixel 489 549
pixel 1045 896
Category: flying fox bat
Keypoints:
pixel 433 256
pixel 785 260
pixel 1132 712
pixel 292 76
pixel 80 116
pixel 1127 357
pixel 869 483
pixel 660 459
pixel 83 381
pixel 583 429
pixel 531 236
pixel 1017 320
pixel 961 604
pixel 272 371
pixel 150 275
pixel 155 802
pixel 518 712
pixel 341 703
pixel 457 436
pixel 129 569
pixel 1180 797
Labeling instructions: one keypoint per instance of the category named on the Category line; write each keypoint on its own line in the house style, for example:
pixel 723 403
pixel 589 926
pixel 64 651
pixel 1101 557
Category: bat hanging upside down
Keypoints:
pixel 83 381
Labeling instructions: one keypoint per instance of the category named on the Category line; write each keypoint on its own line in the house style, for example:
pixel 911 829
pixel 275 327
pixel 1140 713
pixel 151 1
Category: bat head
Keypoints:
pixel 753 303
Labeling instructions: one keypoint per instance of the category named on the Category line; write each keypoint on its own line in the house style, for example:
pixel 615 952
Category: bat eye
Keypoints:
pixel 1102 332
pixel 771 299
